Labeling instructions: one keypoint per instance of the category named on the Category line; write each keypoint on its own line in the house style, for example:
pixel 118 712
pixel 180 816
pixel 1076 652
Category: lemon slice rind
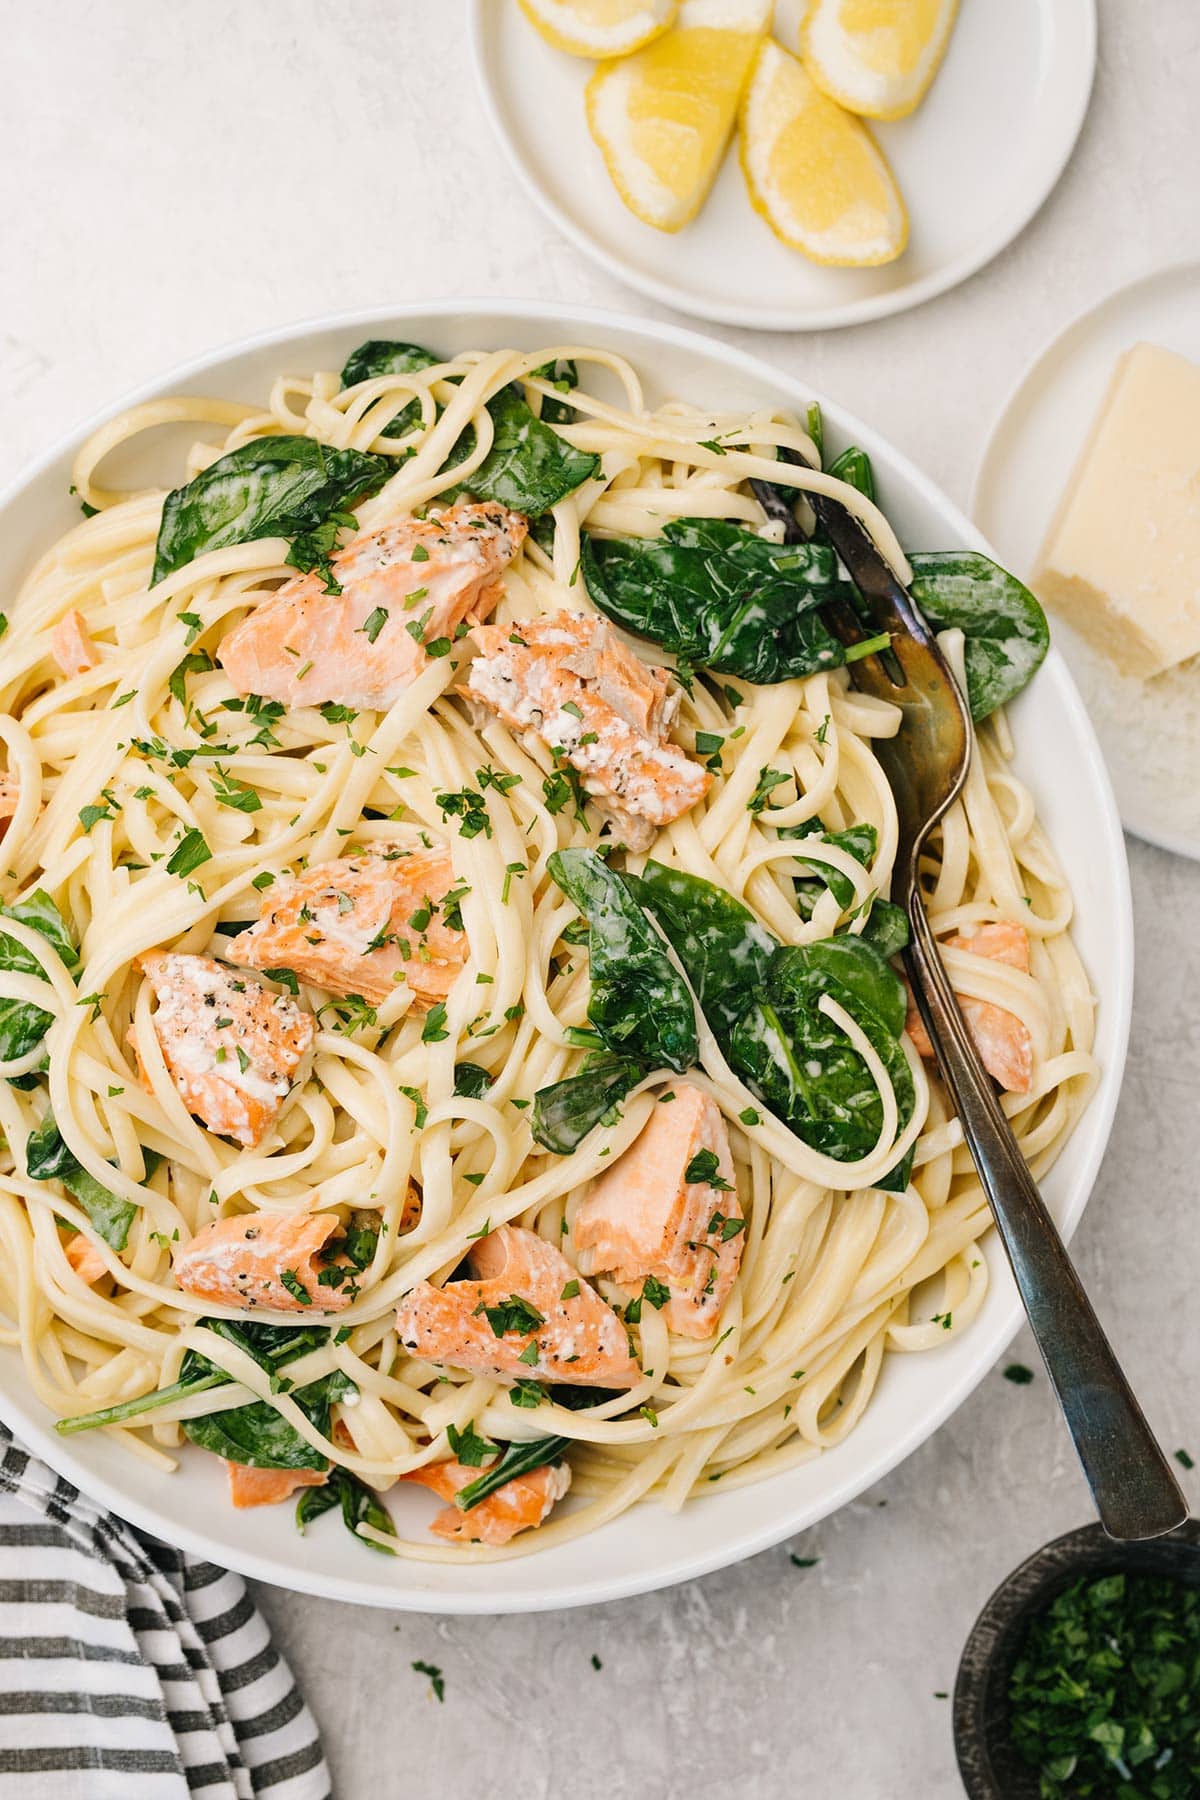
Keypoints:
pixel 599 28
pixel 852 65
pixel 663 117
pixel 868 228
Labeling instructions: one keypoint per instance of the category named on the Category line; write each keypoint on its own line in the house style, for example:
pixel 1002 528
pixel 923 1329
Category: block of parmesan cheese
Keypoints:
pixel 1121 561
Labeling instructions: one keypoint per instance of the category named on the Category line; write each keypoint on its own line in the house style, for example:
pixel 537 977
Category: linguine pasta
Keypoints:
pixel 836 1273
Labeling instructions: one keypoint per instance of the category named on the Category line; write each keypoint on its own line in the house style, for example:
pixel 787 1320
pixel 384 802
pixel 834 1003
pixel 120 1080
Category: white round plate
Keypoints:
pixel 974 162
pixel 1148 728
pixel 645 1548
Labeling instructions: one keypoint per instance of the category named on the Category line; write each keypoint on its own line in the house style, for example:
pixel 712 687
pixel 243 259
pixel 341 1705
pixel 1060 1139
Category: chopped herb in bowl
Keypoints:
pixel 1105 1693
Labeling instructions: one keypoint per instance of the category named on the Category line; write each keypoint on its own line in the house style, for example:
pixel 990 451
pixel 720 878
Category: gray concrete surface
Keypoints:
pixel 172 176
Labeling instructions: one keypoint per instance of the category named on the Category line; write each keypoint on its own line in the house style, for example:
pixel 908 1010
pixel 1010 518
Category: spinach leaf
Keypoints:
pixel 1005 629
pixel 47 1158
pixel 639 1004
pixel 518 1459
pixel 565 376
pixel 529 467
pixel 859 841
pixel 257 1435
pixel 23 1025
pixel 803 1064
pixel 721 597
pixel 270 1345
pixel 270 487
pixel 854 466
pixel 358 1503
pixel 384 356
pixel 886 926
pixel 565 1112
pixel 851 971
pixel 718 940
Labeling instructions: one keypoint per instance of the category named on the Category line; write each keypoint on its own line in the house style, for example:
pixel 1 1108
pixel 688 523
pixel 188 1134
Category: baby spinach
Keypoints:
pixel 47 1158
pixel 639 1003
pixel 566 1111
pixel 270 487
pixel 257 1435
pixel 719 942
pixel 854 466
pixel 886 926
pixel 719 596
pixel 1005 629
pixel 358 1502
pixel 270 1345
pixel 825 1092
pixel 518 1459
pixel 22 1024
pixel 858 841
pixel 528 467
pixel 564 375
pixel 384 356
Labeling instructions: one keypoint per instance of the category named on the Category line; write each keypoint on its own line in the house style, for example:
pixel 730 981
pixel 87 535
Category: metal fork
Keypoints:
pixel 1135 1492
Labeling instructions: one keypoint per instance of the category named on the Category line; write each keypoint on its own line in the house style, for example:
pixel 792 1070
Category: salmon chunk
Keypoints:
pixel 527 1316
pixel 265 1487
pixel 262 1259
pixel 1002 1039
pixel 233 1049
pixel 404 587
pixel 570 681
pixel 521 1504
pixel 72 646
pixel 668 1208
pixel 362 925
pixel 84 1257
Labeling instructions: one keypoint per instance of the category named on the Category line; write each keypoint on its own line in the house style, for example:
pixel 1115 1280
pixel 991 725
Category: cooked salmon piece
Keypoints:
pixel 263 1259
pixel 522 1504
pixel 233 1049
pixel 71 645
pixel 1001 1038
pixel 265 1487
pixel 363 925
pixel 84 1257
pixel 668 1208
pixel 527 1316
pixel 569 680
pixel 406 586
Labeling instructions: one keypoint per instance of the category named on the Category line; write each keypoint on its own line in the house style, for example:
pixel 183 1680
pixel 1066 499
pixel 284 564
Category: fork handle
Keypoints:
pixel 1135 1492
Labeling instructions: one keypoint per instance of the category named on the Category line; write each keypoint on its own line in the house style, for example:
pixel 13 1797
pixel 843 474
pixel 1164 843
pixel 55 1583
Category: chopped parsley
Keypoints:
pixel 469 1448
pixel 706 1167
pixel 436 1679
pixel 189 853
pixel 514 1314
pixel 373 624
pixel 768 781
pixel 1018 1374
pixel 295 1286
pixel 433 1031
pixel 1104 1694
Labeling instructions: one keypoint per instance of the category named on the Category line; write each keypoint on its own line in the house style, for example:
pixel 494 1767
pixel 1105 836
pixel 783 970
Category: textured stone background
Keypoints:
pixel 174 176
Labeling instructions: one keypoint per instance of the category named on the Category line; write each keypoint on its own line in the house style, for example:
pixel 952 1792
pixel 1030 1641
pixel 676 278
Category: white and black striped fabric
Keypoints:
pixel 129 1671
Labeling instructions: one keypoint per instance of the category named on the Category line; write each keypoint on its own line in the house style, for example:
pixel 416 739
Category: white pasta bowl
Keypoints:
pixel 1056 753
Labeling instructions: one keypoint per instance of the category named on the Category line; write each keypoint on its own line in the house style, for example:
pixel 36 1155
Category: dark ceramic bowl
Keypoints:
pixel 991 1769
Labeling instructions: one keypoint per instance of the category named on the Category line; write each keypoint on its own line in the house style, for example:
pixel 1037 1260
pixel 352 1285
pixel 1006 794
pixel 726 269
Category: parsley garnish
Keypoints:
pixel 373 624
pixel 295 1286
pixel 768 781
pixel 436 1679
pixel 433 1031
pixel 189 853
pixel 1018 1374
pixel 513 1314
pixel 469 1448
pixel 706 1167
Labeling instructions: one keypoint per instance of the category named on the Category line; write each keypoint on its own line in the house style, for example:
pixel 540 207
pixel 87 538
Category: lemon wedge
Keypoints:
pixel 599 27
pixel 663 117
pixel 814 171
pixel 876 56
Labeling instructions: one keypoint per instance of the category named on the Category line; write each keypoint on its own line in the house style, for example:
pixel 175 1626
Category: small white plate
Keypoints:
pixel 1150 730
pixel 974 162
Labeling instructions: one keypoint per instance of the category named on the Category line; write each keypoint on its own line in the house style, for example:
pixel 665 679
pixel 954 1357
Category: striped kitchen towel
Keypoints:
pixel 130 1671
